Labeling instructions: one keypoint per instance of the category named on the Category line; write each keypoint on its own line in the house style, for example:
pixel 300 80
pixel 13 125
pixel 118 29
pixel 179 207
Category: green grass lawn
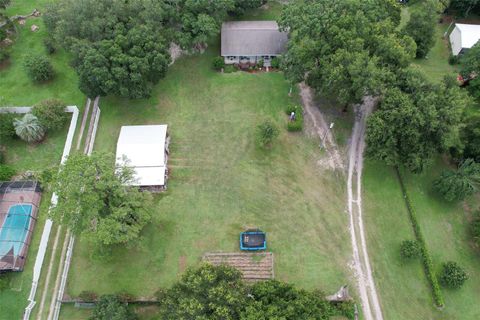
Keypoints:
pixel 403 289
pixel 435 65
pixel 16 89
pixel 220 183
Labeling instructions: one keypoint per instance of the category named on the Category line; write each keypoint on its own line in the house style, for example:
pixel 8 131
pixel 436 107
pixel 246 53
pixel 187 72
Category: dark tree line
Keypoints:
pixel 218 293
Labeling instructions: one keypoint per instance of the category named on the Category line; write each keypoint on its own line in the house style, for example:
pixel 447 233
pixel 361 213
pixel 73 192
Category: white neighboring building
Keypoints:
pixel 146 151
pixel 463 37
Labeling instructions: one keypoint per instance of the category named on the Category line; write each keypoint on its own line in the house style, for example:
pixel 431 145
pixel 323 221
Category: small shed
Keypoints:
pixel 463 37
pixel 250 41
pixel 145 149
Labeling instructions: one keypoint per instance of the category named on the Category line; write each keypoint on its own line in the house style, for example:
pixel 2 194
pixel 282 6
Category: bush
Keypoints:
pixel 3 34
pixel 7 130
pixel 29 128
pixel 409 249
pixel 51 114
pixel 49 45
pixel 452 60
pixel 229 69
pixel 38 68
pixel 218 63
pixel 87 296
pixel 275 63
pixel 452 275
pixel 267 132
pixel 260 63
pixel 110 307
pixel 6 172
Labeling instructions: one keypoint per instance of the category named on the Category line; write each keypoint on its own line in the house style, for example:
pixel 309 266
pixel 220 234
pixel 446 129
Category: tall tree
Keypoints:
pixel 421 27
pixel 415 120
pixel 121 47
pixel 95 200
pixel 352 47
pixel 277 300
pixel 205 293
pixel 464 7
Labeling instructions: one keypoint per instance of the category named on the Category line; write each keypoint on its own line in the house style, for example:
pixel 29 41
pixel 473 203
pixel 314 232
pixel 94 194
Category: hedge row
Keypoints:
pixel 427 260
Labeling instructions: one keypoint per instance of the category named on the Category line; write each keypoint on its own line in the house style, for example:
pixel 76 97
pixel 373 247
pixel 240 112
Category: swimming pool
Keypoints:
pixel 15 228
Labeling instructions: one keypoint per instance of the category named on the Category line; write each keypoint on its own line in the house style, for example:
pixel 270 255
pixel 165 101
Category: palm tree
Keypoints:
pixel 29 129
pixel 460 183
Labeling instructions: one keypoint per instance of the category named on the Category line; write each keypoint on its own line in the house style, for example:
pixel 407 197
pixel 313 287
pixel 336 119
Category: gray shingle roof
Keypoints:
pixel 252 38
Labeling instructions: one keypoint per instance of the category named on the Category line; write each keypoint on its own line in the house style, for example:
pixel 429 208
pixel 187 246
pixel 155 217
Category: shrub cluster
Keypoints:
pixel 275 63
pixel 49 45
pixel 38 68
pixel 297 124
pixel 51 114
pixel 229 68
pixel 452 275
pixel 425 254
pixel 409 249
pixel 267 132
pixel 6 126
pixel 218 63
pixel 6 172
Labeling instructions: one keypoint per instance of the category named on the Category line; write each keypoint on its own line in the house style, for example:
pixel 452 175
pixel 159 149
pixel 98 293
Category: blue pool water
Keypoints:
pixel 15 228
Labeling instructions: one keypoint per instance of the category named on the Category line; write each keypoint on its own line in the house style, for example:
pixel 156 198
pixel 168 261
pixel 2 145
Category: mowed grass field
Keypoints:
pixel 221 183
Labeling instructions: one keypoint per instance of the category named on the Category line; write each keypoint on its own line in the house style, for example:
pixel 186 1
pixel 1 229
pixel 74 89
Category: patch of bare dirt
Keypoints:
pixel 316 125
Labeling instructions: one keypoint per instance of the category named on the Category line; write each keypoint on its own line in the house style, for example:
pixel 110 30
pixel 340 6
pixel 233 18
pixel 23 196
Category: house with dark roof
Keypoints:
pixel 246 42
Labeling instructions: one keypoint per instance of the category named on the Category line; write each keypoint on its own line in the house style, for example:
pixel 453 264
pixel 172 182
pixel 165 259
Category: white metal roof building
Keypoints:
pixel 463 37
pixel 146 150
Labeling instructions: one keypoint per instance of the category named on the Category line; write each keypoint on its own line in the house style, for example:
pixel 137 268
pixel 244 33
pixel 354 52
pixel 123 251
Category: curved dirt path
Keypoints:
pixel 361 264
pixel 334 159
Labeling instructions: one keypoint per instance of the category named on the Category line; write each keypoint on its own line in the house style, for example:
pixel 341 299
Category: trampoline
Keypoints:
pixel 253 240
